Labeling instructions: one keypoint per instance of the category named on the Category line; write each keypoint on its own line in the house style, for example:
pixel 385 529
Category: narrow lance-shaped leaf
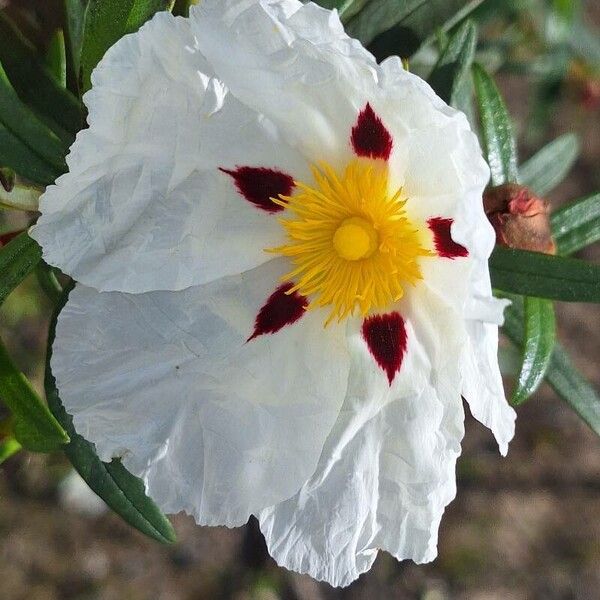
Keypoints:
pixel 538 344
pixel 546 169
pixel 107 21
pixel 20 158
pixel 24 125
pixel 577 225
pixel 75 20
pixel 418 18
pixel 562 376
pixel 544 276
pixel 56 57
pixel 405 24
pixel 17 259
pixel 34 83
pixel 35 428
pixel 123 492
pixel 453 69
pixel 499 142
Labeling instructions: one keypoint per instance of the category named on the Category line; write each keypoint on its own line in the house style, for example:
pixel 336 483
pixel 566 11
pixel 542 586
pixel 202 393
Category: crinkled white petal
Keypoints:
pixel 292 62
pixel 388 468
pixel 144 206
pixel 215 426
pixel 445 176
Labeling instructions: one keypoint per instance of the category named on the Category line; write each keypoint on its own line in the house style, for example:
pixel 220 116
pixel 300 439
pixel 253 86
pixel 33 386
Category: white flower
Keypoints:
pixel 284 292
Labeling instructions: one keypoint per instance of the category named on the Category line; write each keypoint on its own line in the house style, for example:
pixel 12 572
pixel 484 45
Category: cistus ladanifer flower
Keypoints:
pixel 283 293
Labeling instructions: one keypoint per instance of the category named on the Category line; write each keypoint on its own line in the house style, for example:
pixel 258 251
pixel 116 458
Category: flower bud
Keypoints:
pixel 520 219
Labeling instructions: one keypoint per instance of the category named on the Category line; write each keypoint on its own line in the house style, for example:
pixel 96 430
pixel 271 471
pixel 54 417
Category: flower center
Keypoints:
pixel 355 238
pixel 350 240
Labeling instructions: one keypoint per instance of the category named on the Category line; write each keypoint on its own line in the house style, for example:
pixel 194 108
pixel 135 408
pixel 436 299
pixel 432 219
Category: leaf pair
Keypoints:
pixel 530 321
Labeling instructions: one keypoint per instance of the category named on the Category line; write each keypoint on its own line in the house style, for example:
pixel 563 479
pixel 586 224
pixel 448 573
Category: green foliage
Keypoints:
pixel 25 126
pixel 75 20
pixel 17 259
pixel 35 428
pixel 56 57
pixel 539 337
pixel 562 376
pixel 451 76
pixel 36 85
pixel 498 138
pixel 544 276
pixel 546 169
pixel 577 225
pixel 123 492
pixel 107 21
pixel 405 24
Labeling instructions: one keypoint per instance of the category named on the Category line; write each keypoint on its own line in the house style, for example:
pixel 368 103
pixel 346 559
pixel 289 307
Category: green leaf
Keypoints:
pixel 17 259
pixel 562 376
pixel 56 57
pixel 75 19
pixel 572 387
pixel 401 26
pixel 24 125
pixel 577 224
pixel 544 276
pixel 8 448
pixel 20 158
pixel 123 492
pixel 106 22
pixel 142 10
pixel 540 337
pixel 35 428
pixel 498 138
pixel 546 169
pixel 35 84
pixel 452 71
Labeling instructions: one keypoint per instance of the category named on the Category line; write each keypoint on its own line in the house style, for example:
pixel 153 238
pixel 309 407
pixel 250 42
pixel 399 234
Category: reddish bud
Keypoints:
pixel 520 219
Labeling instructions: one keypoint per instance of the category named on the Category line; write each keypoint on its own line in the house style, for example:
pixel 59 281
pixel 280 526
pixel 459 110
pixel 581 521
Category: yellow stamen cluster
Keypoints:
pixel 350 240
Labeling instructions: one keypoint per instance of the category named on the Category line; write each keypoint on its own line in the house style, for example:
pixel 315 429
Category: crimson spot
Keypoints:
pixel 444 244
pixel 386 338
pixel 259 184
pixel 279 310
pixel 369 136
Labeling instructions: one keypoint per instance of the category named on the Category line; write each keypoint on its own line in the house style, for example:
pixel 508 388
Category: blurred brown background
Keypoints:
pixel 523 527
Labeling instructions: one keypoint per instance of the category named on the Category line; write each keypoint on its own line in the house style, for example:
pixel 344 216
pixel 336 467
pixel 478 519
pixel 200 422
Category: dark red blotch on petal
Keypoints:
pixel 259 184
pixel 279 310
pixel 444 244
pixel 386 338
pixel 369 137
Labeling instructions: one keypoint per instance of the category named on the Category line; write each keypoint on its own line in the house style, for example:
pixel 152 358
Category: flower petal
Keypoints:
pixel 387 470
pixel 292 62
pixel 144 206
pixel 215 426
